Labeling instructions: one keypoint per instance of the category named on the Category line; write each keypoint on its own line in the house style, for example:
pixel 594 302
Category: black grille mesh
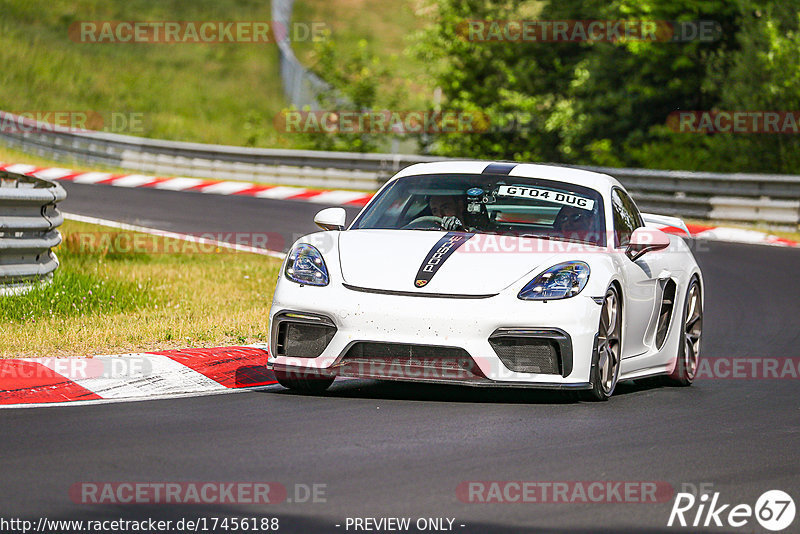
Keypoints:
pixel 527 354
pixel 299 340
pixel 402 361
pixel 404 351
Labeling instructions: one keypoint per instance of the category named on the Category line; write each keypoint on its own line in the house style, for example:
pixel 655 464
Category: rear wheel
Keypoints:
pixel 606 359
pixel 689 351
pixel 308 383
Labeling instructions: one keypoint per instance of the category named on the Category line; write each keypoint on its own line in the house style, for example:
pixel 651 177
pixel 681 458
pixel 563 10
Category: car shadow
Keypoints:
pixel 422 392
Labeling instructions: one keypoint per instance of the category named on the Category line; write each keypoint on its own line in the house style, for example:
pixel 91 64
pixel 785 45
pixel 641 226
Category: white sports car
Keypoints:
pixel 496 274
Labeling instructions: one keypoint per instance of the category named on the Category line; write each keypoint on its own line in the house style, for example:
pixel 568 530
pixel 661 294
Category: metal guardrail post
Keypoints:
pixel 300 85
pixel 28 221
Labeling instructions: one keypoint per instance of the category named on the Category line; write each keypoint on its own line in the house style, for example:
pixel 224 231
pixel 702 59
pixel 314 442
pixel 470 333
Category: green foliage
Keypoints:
pixel 356 76
pixel 608 103
pixel 763 75
pixel 501 79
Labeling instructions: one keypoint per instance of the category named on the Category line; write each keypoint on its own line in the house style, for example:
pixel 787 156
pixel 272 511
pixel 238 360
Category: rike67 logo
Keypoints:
pixel 774 510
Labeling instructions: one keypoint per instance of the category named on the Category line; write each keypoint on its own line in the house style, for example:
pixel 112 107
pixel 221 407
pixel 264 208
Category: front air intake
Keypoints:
pixel 302 335
pixel 522 350
pixel 527 355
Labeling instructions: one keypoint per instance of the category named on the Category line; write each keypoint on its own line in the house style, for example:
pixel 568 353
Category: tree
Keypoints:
pixel 355 76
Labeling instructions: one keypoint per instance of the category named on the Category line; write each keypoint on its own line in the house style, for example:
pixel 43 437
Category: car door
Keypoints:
pixel 642 290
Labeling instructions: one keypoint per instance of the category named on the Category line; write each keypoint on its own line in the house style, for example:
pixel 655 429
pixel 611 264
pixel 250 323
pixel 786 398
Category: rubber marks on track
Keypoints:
pixel 213 187
pixel 132 376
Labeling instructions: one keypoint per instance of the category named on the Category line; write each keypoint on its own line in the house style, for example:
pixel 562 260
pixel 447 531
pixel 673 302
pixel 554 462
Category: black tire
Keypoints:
pixel 606 359
pixel 304 384
pixel 691 333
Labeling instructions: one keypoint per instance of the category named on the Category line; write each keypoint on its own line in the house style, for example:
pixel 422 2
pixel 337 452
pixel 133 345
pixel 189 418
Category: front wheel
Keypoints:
pixel 689 351
pixel 606 359
pixel 307 383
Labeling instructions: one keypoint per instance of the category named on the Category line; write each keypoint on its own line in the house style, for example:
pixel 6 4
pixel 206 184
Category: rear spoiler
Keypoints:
pixel 664 222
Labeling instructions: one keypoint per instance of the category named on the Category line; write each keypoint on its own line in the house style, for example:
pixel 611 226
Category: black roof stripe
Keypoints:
pixel 499 168
pixel 438 255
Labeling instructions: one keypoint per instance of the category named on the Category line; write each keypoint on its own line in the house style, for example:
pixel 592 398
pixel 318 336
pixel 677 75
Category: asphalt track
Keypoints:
pixel 398 450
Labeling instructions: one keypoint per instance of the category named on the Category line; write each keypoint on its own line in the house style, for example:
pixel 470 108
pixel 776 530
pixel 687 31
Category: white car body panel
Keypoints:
pixel 370 295
pixel 399 253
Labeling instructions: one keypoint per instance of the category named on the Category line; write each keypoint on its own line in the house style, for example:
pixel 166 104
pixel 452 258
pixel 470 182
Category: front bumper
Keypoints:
pixel 466 324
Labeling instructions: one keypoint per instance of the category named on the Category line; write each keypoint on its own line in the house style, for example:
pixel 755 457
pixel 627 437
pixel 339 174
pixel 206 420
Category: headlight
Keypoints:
pixel 306 266
pixel 561 281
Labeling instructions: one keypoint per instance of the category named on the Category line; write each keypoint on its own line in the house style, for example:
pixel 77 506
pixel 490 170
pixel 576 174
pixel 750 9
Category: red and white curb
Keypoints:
pixel 29 382
pixel 215 187
pixel 732 235
pixel 333 197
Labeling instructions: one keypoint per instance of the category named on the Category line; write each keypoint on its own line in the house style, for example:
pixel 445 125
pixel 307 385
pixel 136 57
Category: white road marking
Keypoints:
pixel 132 180
pixel 68 404
pixel 173 235
pixel 280 192
pixel 91 177
pixel 54 173
pixel 337 197
pixel 226 188
pixel 20 168
pixel 144 375
pixel 179 184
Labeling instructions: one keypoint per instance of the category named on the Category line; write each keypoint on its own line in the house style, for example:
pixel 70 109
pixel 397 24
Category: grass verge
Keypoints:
pixel 213 93
pixel 111 299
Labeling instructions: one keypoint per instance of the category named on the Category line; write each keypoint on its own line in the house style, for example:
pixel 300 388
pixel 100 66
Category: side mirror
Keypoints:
pixel 644 240
pixel 331 218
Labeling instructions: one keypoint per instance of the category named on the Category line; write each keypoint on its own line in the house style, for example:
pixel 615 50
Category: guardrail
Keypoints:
pixel 752 198
pixel 773 199
pixel 28 221
pixel 300 85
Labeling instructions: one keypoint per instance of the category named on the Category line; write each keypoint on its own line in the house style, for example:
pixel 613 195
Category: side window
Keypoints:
pixel 626 217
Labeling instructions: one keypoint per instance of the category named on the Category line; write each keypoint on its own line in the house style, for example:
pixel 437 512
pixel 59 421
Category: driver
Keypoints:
pixel 449 208
pixel 574 221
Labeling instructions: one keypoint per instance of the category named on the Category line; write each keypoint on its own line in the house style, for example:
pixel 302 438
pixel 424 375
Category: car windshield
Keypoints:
pixel 483 203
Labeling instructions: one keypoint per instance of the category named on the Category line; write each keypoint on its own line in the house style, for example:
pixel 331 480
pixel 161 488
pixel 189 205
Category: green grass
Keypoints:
pixel 193 92
pixel 106 300
pixel 75 292
pixel 227 93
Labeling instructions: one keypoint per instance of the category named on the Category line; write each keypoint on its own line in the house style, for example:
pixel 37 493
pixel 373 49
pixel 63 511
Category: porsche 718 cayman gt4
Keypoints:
pixel 496 274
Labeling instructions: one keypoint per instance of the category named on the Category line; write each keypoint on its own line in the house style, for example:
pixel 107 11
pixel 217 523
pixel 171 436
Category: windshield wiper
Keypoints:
pixel 536 236
pixel 569 239
pixel 559 238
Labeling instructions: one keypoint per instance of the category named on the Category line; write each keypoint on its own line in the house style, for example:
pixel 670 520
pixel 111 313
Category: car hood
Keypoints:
pixel 483 264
